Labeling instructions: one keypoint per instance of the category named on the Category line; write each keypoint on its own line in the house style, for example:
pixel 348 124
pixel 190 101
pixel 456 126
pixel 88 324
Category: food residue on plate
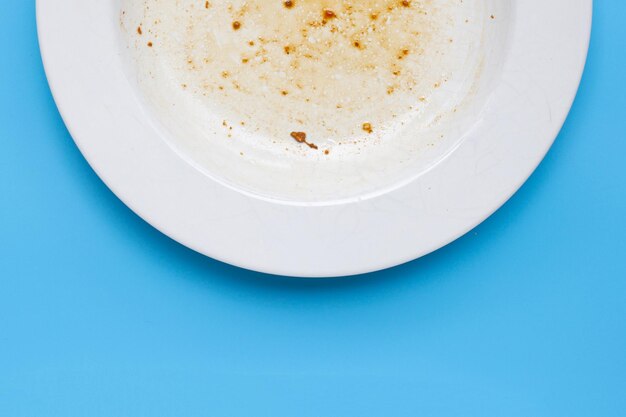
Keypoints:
pixel 322 65
pixel 300 137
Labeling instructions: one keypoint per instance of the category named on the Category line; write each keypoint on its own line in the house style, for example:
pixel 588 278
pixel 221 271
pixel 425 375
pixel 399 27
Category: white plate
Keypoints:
pixel 187 117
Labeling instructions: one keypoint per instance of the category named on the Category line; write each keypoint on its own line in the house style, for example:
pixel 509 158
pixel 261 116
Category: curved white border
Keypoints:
pixel 111 128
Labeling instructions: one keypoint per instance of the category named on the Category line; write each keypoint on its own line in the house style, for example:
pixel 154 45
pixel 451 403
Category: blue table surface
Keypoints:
pixel 101 315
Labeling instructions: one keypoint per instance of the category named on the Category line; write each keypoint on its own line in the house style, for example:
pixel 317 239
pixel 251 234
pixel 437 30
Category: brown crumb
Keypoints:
pixel 406 3
pixel 300 137
pixel 207 4
pixel 329 14
pixel 326 151
pixel 236 25
pixel 149 44
pixel 288 4
pixel 139 31
pixel 367 127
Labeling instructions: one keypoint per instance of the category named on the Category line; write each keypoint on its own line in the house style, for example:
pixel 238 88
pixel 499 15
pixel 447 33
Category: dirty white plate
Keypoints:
pixel 314 137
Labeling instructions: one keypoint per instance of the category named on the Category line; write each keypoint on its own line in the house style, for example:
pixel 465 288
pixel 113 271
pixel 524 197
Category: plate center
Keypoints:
pixel 312 100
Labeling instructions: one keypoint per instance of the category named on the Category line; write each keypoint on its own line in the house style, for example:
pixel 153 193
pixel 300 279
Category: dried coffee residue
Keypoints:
pixel 300 137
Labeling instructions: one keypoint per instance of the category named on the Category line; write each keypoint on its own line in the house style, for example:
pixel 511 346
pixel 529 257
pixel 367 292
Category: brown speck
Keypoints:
pixel 236 25
pixel 207 4
pixel 329 14
pixel 326 151
pixel 357 44
pixel 403 53
pixel 149 44
pixel 288 49
pixel 251 43
pixel 374 16
pixel 406 3
pixel 367 127
pixel 288 4
pixel 244 60
pixel 284 92
pixel 139 31
pixel 300 137
pixel 492 17
pixel 225 74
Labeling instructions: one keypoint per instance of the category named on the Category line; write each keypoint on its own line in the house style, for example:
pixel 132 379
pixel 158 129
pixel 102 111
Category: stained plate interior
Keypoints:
pixel 314 101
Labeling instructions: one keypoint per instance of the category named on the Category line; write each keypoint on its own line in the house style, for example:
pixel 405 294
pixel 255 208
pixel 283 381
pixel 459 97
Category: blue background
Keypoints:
pixel 101 315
